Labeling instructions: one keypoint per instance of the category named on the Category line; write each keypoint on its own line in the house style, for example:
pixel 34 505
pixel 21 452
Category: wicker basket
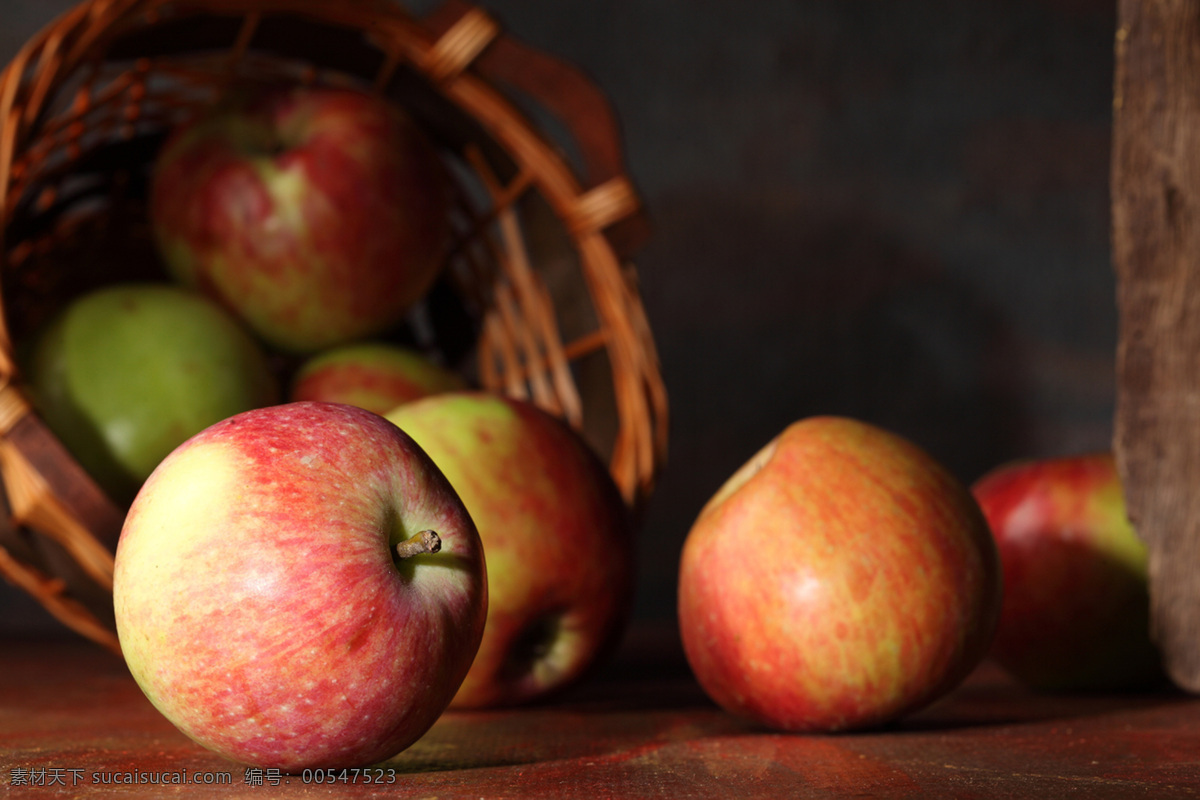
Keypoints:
pixel 537 299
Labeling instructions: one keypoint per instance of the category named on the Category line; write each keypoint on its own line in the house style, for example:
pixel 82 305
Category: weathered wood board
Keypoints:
pixel 1156 251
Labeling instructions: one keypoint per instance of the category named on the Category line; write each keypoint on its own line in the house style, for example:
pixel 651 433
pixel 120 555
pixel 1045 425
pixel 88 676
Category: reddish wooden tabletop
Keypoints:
pixel 71 717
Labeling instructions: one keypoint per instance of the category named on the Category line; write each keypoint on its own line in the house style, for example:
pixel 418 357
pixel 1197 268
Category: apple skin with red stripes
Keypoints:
pixel 839 580
pixel 318 215
pixel 262 604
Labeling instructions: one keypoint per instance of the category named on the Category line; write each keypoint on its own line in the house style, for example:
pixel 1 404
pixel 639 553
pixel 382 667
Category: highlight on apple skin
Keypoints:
pixel 279 597
pixel 1076 613
pixel 841 579
pixel 319 215
pixel 560 554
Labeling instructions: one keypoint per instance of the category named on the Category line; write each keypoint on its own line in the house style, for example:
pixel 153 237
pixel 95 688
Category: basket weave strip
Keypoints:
pixel 539 339
pixel 633 463
pixel 34 504
pixel 602 205
pixel 13 408
pixel 650 377
pixel 454 51
pixel 49 592
pixel 500 344
pixel 634 452
pixel 552 385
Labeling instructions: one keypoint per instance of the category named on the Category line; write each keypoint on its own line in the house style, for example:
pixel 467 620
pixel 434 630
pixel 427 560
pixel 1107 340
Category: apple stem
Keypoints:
pixel 419 544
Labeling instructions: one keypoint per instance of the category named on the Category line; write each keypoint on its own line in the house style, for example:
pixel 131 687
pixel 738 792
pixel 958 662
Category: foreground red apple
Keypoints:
pixel 558 539
pixel 319 215
pixel 838 580
pixel 372 375
pixel 278 596
pixel 1076 612
pixel 123 375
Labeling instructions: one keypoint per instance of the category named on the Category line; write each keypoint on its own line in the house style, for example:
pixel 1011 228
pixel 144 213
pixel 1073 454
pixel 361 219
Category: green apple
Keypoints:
pixel 126 373
pixel 373 375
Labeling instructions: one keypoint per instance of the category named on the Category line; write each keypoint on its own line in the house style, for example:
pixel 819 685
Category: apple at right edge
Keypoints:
pixel 1076 613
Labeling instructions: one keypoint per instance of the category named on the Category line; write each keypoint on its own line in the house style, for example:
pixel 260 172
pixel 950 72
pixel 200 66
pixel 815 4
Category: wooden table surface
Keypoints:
pixel 72 718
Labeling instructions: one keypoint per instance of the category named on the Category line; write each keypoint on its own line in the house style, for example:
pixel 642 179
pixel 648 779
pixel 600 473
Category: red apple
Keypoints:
pixel 838 580
pixel 278 596
pixel 124 374
pixel 372 375
pixel 557 533
pixel 1076 612
pixel 319 215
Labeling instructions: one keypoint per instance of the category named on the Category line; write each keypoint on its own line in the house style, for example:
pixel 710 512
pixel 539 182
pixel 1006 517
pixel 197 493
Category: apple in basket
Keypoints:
pixel 124 374
pixel 376 376
pixel 557 533
pixel 1076 613
pixel 840 579
pixel 300 587
pixel 319 215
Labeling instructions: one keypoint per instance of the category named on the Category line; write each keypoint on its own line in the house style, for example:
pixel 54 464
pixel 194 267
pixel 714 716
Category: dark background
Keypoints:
pixel 894 211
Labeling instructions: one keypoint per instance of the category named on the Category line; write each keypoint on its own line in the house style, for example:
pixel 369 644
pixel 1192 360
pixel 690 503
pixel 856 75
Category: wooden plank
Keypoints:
pixel 1156 251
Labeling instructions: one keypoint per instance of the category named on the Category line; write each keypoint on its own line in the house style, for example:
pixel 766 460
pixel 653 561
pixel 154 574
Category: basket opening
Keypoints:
pixel 109 178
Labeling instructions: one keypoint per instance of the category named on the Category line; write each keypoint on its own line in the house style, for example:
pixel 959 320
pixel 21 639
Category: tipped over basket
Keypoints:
pixel 537 298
